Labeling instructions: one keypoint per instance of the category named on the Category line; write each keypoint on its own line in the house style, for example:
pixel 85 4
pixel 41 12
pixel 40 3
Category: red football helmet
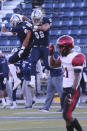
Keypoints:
pixel 65 44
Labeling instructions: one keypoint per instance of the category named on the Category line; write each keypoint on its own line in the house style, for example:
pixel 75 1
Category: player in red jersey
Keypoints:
pixel 72 63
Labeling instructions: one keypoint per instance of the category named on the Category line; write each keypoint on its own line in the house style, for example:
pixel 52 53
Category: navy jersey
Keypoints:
pixel 4 69
pixel 41 38
pixel 26 68
pixel 22 30
pixel 57 70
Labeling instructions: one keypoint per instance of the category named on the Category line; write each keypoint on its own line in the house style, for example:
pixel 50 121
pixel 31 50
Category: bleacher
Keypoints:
pixel 68 17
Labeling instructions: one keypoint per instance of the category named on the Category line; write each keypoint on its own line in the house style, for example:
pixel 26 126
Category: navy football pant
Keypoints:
pixel 2 85
pixel 36 54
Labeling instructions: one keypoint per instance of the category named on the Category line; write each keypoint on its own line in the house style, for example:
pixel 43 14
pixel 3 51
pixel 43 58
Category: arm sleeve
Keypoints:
pixel 78 61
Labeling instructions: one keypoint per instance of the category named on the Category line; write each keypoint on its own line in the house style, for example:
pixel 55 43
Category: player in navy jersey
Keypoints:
pixel 27 90
pixel 4 74
pixel 40 34
pixel 22 29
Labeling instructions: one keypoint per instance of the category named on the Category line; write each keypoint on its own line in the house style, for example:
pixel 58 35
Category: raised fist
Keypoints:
pixel 51 49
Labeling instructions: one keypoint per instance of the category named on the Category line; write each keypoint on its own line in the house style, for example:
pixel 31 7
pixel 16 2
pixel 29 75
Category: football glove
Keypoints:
pixel 4 23
pixel 73 90
pixel 70 95
pixel 34 28
pixel 68 98
pixel 51 49
pixel 4 81
pixel 21 51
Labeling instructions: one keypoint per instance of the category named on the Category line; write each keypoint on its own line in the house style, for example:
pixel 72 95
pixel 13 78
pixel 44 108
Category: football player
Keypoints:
pixel 22 29
pixel 72 62
pixel 4 74
pixel 26 90
pixel 54 81
pixel 41 26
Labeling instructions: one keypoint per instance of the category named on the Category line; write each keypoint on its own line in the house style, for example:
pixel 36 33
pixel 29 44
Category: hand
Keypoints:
pixel 51 49
pixel 34 28
pixel 5 80
pixel 73 91
pixel 68 98
pixel 4 23
pixel 21 51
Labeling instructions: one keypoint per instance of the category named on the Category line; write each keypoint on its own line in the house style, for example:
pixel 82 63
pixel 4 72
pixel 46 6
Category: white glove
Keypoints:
pixel 21 51
pixel 44 76
pixel 4 23
pixel 5 80
pixel 35 28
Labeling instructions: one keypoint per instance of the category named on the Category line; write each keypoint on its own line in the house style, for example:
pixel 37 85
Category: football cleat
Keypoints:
pixel 13 107
pixel 4 105
pixel 43 110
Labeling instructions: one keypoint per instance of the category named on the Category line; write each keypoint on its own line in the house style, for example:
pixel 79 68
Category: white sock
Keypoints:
pixel 13 71
pixel 3 101
pixel 14 103
pixel 33 79
pixel 7 99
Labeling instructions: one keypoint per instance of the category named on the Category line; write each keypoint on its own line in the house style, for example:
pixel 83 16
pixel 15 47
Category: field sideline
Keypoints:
pixel 34 120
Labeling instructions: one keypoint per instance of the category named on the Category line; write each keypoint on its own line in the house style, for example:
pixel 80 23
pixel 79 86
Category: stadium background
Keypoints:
pixel 68 17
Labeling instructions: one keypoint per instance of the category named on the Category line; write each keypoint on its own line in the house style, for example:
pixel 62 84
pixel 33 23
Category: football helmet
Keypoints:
pixel 37 16
pixel 15 19
pixel 65 44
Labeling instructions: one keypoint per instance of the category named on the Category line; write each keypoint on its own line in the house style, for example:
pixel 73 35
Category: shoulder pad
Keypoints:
pixel 78 60
pixel 47 20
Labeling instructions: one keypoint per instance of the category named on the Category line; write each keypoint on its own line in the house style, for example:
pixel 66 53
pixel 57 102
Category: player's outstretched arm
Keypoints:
pixel 4 30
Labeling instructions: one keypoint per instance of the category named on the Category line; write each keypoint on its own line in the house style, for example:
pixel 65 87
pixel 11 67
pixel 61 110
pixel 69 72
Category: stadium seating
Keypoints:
pixel 68 17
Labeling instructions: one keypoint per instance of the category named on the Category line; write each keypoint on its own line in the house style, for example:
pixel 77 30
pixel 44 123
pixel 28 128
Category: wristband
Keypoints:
pixel 36 27
pixel 23 47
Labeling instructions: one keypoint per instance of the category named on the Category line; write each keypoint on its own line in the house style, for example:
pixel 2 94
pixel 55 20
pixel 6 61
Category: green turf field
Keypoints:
pixel 34 120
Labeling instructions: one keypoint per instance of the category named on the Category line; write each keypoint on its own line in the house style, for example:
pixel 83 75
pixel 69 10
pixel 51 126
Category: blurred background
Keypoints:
pixel 68 17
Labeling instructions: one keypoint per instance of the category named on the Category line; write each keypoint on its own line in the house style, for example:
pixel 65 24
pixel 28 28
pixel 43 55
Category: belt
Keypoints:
pixel 68 88
pixel 40 46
